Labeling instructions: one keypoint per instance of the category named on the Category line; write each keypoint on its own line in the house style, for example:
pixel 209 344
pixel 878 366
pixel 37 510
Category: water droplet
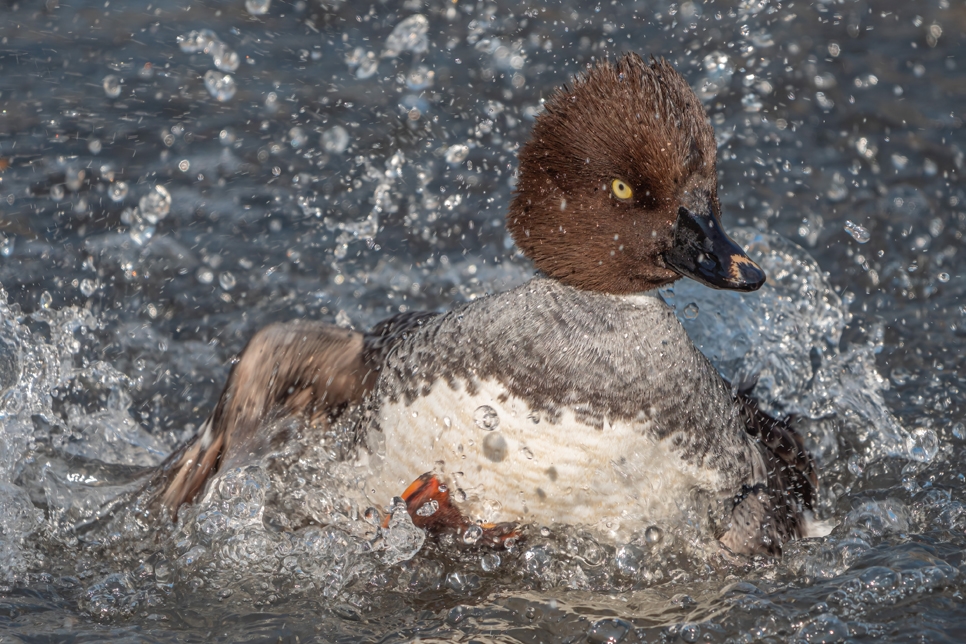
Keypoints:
pixel 856 465
pixel 718 73
pixel 343 320
pixel 495 447
pixel 959 431
pixel 223 56
pixel 690 632
pixel 609 631
pixel 57 192
pixel 112 86
pixel 486 418
pixel 653 535
pixel 297 137
pixel 419 78
pixel 205 275
pixel 335 140
pixel 46 299
pixel 94 146
pixel 490 562
pixel 88 287
pixel 196 41
pixel 155 205
pixel 943 277
pixel 457 153
pixel 227 281
pixel 472 534
pixel 857 232
pixel 408 35
pixel 751 102
pixel 428 509
pixel 691 311
pixel 117 191
pixel 925 444
pixel 221 86
pixel 257 7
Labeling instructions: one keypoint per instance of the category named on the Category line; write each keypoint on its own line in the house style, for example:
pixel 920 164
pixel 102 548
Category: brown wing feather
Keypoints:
pixel 297 368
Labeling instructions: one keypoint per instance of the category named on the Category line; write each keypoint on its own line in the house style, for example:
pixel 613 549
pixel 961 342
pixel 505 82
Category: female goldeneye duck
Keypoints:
pixel 575 399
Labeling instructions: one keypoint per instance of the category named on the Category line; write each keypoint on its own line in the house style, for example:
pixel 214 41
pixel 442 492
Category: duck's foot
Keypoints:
pixel 429 504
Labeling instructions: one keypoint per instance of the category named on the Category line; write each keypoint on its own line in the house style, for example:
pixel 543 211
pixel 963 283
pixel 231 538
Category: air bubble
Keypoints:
pixel 691 311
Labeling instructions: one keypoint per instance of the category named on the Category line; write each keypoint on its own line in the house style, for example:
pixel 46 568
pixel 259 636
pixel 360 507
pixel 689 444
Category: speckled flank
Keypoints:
pixel 631 418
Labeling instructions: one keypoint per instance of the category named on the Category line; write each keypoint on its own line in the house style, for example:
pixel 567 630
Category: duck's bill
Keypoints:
pixel 703 252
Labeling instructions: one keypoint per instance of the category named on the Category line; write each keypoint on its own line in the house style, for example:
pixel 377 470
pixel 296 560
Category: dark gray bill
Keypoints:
pixel 703 252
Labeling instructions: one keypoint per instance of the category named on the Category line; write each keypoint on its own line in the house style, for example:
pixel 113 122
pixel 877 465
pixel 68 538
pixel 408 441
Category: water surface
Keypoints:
pixel 165 191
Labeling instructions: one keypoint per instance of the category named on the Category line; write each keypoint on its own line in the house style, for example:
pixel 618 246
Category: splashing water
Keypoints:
pixel 785 342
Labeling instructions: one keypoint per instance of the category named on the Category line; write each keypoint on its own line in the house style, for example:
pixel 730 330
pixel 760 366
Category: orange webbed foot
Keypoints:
pixel 431 508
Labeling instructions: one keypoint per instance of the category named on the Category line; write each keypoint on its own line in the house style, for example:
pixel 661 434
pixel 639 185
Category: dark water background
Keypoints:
pixel 358 171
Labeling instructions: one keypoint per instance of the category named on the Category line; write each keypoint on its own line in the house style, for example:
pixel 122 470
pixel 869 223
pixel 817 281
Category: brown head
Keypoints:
pixel 617 189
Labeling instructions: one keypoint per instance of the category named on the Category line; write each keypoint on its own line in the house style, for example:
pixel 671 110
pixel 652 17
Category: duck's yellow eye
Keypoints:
pixel 621 189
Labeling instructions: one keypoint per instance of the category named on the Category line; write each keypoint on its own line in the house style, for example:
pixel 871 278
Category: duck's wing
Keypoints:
pixel 302 368
pixel 765 515
pixel 796 469
pixel 305 369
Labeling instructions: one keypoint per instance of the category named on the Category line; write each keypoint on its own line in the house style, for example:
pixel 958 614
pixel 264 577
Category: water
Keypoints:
pixel 145 235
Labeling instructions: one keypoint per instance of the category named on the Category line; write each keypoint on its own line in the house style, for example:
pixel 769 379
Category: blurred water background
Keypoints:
pixel 174 176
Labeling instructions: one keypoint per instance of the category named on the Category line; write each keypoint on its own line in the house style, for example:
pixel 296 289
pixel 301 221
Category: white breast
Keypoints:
pixel 506 463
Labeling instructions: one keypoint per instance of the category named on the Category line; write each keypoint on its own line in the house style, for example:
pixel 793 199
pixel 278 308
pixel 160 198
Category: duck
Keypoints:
pixel 576 398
